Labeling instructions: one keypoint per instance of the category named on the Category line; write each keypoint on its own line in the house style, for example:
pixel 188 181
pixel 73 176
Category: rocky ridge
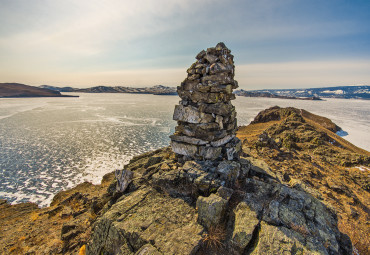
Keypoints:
pixel 303 151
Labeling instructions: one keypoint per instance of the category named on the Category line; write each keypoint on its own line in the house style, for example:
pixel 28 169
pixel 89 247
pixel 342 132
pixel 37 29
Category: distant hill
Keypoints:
pixel 21 90
pixel 60 89
pixel 348 92
pixel 155 90
pixel 245 93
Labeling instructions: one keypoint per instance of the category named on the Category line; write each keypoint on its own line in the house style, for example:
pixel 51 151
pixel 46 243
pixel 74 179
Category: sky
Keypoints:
pixel 276 43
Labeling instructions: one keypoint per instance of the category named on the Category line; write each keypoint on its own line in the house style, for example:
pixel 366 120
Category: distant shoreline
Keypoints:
pixel 1 97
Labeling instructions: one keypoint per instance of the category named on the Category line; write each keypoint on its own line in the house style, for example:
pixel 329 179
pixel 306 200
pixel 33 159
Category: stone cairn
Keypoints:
pixel 206 118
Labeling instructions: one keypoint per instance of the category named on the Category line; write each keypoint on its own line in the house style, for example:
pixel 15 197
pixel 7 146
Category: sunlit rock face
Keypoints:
pixel 206 118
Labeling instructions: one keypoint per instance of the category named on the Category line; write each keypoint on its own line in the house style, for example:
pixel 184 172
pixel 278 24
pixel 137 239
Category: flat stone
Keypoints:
pixel 187 139
pixel 211 153
pixel 220 68
pixel 184 148
pixel 211 58
pixel 223 109
pixel 191 114
pixel 222 141
pixel 222 78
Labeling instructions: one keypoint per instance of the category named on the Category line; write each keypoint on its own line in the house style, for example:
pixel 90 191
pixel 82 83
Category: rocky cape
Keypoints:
pixel 294 181
pixel 9 90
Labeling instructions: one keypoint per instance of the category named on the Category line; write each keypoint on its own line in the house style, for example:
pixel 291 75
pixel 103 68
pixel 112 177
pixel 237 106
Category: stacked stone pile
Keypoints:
pixel 206 118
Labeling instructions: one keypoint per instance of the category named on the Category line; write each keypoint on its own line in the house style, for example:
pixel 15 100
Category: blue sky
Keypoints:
pixel 276 43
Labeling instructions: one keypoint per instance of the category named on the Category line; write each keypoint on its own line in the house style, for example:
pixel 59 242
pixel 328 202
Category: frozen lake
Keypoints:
pixel 51 144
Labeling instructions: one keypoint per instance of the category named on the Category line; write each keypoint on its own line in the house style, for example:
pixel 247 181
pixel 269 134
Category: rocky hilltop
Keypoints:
pixel 275 196
pixel 21 90
pixel 302 151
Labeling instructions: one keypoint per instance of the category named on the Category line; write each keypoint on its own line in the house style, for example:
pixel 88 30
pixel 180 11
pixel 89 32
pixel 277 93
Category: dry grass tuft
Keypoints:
pixel 213 239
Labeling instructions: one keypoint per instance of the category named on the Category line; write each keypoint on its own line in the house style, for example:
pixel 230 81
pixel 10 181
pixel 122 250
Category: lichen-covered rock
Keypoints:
pixel 280 240
pixel 245 225
pixel 211 210
pixel 146 217
pixel 229 171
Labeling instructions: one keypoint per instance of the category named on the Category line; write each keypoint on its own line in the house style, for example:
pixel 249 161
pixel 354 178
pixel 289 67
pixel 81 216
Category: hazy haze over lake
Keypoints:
pixel 50 144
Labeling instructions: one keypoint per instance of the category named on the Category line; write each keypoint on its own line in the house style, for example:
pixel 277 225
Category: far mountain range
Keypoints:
pixel 347 92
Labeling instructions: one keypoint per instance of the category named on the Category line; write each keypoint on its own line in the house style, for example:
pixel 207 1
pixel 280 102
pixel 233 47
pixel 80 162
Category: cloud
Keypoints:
pixel 63 38
pixel 303 74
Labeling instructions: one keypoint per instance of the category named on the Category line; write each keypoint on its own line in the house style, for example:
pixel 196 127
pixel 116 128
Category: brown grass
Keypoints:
pixel 34 216
pixel 214 237
pixel 359 236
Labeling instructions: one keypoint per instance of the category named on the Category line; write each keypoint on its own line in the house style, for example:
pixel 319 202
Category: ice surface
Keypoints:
pixel 51 144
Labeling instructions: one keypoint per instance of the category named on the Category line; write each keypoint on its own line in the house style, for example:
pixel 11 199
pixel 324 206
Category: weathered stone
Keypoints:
pixel 201 54
pixel 246 223
pixel 223 109
pixel 211 153
pixel 221 78
pixel 142 217
pixel 211 58
pixel 191 114
pixel 281 240
pixel 187 139
pixel 184 148
pixel 210 210
pixel 225 193
pixel 220 68
pixel 222 141
pixel 124 178
pixel 229 171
